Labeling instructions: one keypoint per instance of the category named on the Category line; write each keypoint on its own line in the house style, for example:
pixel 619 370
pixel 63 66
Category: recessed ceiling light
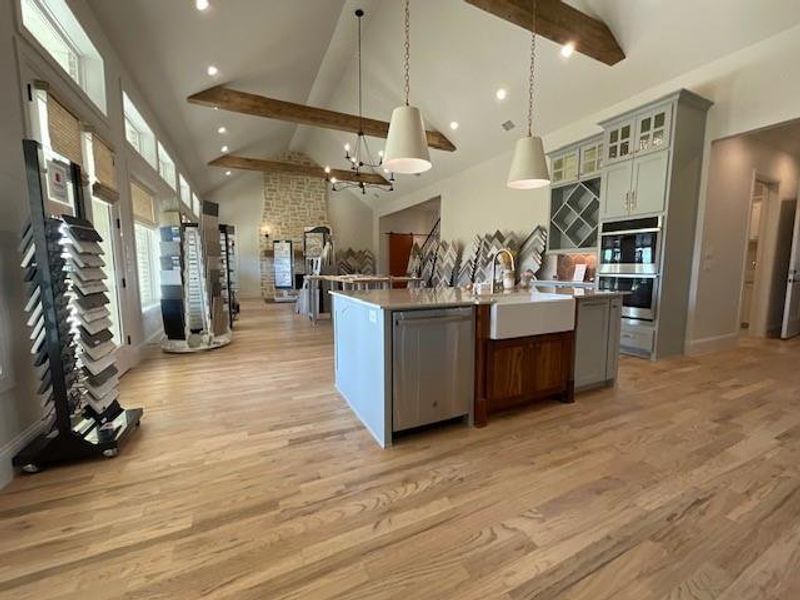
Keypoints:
pixel 228 173
pixel 214 71
pixel 501 94
pixel 223 149
pixel 453 125
pixel 567 49
pixel 222 130
pixel 201 4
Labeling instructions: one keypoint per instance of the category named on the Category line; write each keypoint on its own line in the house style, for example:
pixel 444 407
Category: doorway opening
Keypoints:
pixel 754 179
pixel 400 230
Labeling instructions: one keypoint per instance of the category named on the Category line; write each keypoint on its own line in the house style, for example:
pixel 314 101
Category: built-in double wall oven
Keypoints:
pixel 629 262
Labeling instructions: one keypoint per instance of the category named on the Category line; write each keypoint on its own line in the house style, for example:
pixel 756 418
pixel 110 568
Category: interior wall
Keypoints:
pixel 733 164
pixel 477 201
pixel 20 63
pixel 241 202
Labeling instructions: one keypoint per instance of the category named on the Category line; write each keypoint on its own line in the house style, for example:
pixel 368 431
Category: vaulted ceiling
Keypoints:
pixel 304 51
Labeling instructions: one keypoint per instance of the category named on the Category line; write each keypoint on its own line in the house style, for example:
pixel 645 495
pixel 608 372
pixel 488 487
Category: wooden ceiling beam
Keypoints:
pixel 561 23
pixel 261 106
pixel 230 161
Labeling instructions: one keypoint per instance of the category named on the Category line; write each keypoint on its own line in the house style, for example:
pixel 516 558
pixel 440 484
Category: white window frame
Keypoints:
pixel 133 118
pixel 166 163
pixel 196 205
pixel 63 26
pixel 185 191
pixel 151 234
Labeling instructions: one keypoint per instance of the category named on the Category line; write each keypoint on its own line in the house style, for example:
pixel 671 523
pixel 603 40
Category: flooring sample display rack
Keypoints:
pixel 229 275
pixel 74 354
pixel 187 290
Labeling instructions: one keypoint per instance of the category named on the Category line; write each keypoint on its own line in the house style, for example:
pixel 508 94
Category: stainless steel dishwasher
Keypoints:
pixel 432 366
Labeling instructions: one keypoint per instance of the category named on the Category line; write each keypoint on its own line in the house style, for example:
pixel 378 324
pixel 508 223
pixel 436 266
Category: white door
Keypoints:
pixel 791 307
pixel 616 191
pixel 104 217
pixel 649 183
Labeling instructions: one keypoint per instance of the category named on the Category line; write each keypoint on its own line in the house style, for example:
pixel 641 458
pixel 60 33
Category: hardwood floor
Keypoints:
pixel 250 478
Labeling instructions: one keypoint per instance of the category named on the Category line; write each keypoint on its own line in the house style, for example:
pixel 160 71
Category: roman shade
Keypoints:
pixel 65 131
pixel 105 186
pixel 143 202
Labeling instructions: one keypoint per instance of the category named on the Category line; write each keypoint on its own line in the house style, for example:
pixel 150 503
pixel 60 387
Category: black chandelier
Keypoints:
pixel 358 156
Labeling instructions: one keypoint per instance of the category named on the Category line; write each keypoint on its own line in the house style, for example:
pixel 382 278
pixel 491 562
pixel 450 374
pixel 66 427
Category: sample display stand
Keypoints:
pixel 283 270
pixel 185 307
pixel 227 242
pixel 72 345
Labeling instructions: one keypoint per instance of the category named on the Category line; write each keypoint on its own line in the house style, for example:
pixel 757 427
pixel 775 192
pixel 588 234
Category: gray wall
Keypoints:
pixel 18 410
pixel 733 163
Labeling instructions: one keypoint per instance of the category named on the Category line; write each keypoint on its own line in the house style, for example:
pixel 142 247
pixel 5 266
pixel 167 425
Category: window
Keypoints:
pixel 166 166
pixel 138 132
pixel 186 195
pixel 196 205
pixel 53 25
pixel 147 247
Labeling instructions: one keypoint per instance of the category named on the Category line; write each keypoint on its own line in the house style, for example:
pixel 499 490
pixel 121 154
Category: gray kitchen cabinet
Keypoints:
pixel 565 165
pixel 653 129
pixel 591 157
pixel 635 187
pixel 619 140
pixel 597 331
pixel 649 185
pixel 616 189
pixel 614 332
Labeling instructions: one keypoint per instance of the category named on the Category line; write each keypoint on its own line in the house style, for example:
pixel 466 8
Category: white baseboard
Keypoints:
pixel 712 344
pixel 8 451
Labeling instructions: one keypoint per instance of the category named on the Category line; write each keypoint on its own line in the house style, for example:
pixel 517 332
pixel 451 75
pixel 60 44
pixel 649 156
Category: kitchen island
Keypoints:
pixel 406 358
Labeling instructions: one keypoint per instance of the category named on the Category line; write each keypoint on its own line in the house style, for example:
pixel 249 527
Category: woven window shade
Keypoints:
pixel 65 131
pixel 104 168
pixel 144 205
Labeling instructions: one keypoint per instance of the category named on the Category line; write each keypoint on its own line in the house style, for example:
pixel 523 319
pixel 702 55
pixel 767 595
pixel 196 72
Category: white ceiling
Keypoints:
pixel 304 51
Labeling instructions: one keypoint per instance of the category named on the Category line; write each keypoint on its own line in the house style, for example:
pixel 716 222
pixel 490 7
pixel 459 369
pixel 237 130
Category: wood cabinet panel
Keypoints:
pixel 514 372
pixel 508 370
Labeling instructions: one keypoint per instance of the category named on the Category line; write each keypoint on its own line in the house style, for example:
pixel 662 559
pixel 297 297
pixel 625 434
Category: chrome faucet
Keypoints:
pixel 507 252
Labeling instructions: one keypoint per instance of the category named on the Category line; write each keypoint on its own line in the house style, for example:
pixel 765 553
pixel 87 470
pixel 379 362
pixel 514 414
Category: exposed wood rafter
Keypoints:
pixel 261 106
pixel 230 161
pixel 561 23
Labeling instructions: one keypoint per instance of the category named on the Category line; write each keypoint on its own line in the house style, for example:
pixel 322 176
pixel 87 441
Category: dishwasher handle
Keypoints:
pixel 440 315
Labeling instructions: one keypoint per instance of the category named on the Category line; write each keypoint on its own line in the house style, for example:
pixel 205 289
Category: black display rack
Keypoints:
pixel 72 346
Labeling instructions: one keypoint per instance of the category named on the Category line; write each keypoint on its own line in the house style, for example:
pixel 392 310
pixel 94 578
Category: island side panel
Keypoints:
pixel 482 327
pixel 361 364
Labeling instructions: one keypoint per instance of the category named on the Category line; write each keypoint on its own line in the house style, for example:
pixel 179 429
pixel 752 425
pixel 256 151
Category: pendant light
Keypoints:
pixel 529 166
pixel 407 143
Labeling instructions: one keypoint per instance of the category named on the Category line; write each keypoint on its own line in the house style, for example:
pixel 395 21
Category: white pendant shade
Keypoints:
pixel 406 149
pixel 529 166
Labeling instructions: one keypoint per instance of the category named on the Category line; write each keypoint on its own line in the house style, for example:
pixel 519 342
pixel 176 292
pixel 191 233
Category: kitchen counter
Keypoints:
pixel 421 298
pixel 405 358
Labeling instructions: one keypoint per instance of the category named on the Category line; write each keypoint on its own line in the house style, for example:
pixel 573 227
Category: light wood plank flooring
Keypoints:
pixel 250 478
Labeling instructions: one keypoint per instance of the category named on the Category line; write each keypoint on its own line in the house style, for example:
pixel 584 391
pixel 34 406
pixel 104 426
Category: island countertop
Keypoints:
pixel 419 298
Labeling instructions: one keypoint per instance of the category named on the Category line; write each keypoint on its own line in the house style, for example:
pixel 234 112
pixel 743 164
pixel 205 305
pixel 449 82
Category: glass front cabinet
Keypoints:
pixel 575 195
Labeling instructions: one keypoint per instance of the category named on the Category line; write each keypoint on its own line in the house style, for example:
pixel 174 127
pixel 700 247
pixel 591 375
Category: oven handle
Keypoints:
pixel 629 275
pixel 630 231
